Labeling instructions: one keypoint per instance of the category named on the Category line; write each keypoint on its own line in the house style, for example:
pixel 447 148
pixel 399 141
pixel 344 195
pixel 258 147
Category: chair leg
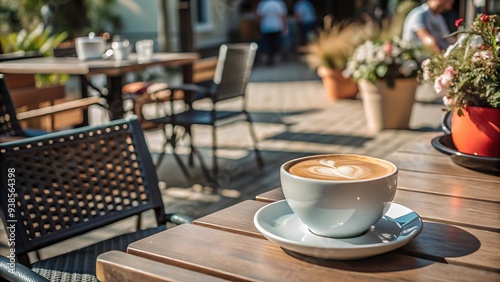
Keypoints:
pixel 162 154
pixel 211 179
pixel 258 156
pixel 215 167
pixel 191 146
pixel 172 140
pixel 139 221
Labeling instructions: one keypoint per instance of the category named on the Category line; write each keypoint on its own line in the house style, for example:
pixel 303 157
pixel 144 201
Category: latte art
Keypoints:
pixel 340 167
pixel 345 171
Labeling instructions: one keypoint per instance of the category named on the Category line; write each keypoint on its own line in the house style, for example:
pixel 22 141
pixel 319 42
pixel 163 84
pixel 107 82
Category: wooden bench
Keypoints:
pixel 46 108
pixel 204 69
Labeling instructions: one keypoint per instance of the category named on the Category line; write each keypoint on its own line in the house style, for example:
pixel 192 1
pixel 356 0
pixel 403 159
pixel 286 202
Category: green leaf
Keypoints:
pixel 381 70
pixel 20 38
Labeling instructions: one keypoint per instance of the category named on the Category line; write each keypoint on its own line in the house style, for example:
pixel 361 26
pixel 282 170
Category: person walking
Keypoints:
pixel 305 15
pixel 425 25
pixel 272 23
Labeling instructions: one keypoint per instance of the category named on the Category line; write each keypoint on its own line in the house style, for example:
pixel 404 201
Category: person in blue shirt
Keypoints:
pixel 305 16
pixel 273 23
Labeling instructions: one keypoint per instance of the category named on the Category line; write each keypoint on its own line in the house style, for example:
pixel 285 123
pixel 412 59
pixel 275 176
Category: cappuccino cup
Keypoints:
pixel 339 195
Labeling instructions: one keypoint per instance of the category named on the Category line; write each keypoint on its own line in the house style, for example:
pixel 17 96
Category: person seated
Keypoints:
pixel 425 25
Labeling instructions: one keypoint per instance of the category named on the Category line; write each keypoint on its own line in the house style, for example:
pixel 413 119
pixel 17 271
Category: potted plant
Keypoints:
pixel 386 72
pixel 330 52
pixel 468 75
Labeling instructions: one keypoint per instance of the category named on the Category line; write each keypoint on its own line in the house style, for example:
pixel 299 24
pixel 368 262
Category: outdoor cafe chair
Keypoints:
pixel 232 73
pixel 75 181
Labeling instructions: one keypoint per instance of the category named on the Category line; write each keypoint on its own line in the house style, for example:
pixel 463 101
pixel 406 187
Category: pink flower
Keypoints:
pixel 484 18
pixel 482 55
pixel 445 80
pixel 388 48
pixel 458 22
pixel 449 72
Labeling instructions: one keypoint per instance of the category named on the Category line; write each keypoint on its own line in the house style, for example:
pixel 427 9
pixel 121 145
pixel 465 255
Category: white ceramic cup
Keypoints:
pixel 121 49
pixel 339 208
pixel 88 48
pixel 144 50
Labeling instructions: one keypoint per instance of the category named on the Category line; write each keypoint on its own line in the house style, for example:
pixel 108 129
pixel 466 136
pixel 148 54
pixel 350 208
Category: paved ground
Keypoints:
pixel 293 118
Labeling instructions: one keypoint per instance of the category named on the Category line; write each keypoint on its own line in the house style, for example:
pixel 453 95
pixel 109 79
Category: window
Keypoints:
pixel 202 17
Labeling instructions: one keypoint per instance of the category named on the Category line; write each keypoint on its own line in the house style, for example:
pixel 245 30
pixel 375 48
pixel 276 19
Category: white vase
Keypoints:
pixel 388 107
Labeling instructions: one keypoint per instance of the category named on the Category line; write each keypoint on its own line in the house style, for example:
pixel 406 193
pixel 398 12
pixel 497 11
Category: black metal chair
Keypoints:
pixel 232 73
pixel 71 182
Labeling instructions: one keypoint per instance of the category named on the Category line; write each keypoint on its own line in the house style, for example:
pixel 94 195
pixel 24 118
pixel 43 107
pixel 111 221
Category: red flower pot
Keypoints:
pixel 477 132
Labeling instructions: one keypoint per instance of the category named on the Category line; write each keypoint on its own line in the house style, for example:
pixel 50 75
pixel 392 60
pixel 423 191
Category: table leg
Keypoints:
pixel 84 94
pixel 114 96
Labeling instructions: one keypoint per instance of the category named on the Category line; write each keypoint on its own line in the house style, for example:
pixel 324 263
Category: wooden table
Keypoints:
pixel 460 240
pixel 114 71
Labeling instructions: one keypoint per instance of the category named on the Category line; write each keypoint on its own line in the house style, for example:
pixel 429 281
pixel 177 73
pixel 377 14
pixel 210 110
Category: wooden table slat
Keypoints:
pixel 421 145
pixel 478 189
pixel 436 164
pixel 457 211
pixel 244 258
pixel 455 245
pixel 271 196
pixel 237 218
pixel 116 266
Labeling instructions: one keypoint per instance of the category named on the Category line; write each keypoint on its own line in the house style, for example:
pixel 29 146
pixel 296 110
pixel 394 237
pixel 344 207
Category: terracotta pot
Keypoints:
pixel 385 107
pixel 477 132
pixel 336 85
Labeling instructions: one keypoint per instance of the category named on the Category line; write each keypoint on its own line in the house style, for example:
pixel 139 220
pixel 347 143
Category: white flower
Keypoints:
pixel 407 68
pixel 425 69
pixel 476 42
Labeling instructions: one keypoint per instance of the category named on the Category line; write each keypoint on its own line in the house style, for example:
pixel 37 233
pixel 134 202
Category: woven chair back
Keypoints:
pixel 71 182
pixel 233 70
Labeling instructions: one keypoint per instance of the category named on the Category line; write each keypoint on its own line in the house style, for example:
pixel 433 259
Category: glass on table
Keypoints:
pixel 144 50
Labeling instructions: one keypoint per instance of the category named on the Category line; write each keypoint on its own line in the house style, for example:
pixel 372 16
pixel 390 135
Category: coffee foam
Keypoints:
pixel 340 167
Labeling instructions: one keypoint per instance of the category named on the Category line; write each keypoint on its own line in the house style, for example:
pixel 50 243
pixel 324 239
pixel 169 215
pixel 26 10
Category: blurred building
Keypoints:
pixel 214 22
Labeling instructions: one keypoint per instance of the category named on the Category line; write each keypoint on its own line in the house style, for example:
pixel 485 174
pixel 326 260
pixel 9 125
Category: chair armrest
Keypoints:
pixel 14 271
pixel 58 108
pixel 4 139
pixel 186 87
pixel 179 218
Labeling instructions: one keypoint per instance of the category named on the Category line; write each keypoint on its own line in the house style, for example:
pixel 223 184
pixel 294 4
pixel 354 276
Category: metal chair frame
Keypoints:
pixel 232 73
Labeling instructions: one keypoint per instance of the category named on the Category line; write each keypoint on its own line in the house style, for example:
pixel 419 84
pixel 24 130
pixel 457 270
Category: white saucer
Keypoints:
pixel 280 225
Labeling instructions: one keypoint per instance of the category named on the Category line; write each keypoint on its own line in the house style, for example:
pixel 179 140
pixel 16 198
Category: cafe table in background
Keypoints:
pixel 460 239
pixel 113 69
